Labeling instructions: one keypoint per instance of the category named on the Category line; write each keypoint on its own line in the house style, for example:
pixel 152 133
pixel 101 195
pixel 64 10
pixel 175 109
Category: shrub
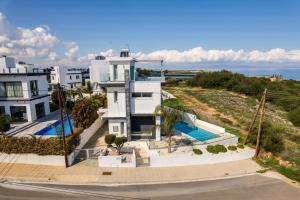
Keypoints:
pixel 40 146
pixel 294 116
pixel 271 137
pixel 109 139
pixel 197 151
pixel 232 148
pixel 53 107
pixel 4 123
pixel 119 142
pixel 84 113
pixel 99 100
pixel 215 149
pixel 241 146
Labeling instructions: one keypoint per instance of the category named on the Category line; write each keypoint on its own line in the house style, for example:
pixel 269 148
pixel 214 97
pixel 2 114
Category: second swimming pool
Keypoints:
pixel 195 132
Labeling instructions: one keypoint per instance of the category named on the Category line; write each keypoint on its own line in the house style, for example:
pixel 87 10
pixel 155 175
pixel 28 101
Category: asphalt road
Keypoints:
pixel 247 187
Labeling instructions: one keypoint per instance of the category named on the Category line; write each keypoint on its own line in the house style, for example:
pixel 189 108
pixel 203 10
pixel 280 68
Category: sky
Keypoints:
pixel 182 32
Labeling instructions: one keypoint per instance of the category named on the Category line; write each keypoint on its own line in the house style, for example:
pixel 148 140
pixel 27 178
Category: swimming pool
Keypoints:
pixel 54 129
pixel 197 133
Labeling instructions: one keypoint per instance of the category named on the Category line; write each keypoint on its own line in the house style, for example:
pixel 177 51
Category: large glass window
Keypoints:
pixel 34 88
pixel 18 113
pixel 11 89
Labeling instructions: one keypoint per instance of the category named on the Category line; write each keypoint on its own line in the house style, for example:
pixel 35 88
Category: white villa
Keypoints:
pixel 23 91
pixel 68 77
pixel 131 99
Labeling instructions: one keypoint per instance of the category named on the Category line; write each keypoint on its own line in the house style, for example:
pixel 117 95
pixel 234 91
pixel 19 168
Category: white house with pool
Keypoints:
pixel 23 91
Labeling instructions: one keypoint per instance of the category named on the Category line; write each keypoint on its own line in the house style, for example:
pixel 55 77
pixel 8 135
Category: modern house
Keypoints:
pixel 68 77
pixel 23 91
pixel 131 99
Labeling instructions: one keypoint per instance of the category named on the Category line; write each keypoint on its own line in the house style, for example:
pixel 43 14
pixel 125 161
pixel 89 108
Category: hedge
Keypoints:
pixel 40 146
pixel 216 149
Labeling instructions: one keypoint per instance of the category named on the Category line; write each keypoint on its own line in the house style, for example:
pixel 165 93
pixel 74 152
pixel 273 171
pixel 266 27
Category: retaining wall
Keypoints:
pixel 157 160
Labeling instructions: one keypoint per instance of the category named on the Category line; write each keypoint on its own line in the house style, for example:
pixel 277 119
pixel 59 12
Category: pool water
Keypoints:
pixel 54 129
pixel 195 132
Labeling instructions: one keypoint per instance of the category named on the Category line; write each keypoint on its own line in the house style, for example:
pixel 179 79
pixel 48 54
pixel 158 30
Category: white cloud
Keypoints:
pixel 72 49
pixel 199 54
pixel 25 43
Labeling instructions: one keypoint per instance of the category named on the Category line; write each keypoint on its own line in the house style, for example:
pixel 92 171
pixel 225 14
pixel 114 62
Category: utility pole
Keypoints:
pixel 62 125
pixel 254 119
pixel 260 124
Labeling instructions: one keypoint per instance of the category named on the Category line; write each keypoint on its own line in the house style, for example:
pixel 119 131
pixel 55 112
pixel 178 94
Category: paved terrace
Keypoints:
pixel 89 172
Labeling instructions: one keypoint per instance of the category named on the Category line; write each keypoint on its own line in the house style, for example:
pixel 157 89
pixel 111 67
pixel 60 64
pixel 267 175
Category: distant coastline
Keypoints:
pixel 288 73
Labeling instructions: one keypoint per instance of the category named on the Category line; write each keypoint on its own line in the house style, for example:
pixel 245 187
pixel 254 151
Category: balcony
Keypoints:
pixel 112 78
pixel 22 71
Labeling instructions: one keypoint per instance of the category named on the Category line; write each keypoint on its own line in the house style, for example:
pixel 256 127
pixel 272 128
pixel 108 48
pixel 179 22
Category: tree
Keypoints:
pixel 54 96
pixel 89 88
pixel 4 123
pixel 119 142
pixel 109 139
pixel 84 113
pixel 169 118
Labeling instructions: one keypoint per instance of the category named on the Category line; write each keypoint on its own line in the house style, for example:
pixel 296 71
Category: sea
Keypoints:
pixel 287 73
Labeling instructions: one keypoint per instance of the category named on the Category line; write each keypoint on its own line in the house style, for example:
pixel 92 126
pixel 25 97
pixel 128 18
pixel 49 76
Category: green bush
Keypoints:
pixel 215 149
pixel 84 113
pixel 294 116
pixel 197 151
pixel 232 148
pixel 119 142
pixel 40 146
pixel 241 146
pixel 271 137
pixel 110 139
pixel 53 107
pixel 4 123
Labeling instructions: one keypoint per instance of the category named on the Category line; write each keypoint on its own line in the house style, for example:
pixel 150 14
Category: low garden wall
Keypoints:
pixel 116 161
pixel 35 159
pixel 157 160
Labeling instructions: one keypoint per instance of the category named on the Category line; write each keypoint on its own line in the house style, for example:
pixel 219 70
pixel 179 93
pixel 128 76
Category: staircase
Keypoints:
pixel 142 159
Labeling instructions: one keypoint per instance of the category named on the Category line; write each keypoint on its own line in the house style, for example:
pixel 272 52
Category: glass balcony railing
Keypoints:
pixel 108 77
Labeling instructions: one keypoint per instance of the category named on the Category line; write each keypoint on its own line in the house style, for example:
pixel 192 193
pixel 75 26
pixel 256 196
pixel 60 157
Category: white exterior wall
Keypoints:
pixel 117 122
pixel 60 74
pixel 97 67
pixel 145 105
pixel 118 108
pixel 25 100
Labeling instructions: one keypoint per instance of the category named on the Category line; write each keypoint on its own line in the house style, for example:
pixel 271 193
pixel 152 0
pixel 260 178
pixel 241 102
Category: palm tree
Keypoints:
pixel 169 116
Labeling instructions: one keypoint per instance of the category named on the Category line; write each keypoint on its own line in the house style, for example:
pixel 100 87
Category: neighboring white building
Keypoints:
pixel 68 77
pixel 23 91
pixel 131 99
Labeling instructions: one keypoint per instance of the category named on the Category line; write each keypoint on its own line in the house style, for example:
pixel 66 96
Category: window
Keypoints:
pixel 115 72
pixel 70 77
pixel 115 96
pixel 11 89
pixel 141 94
pixel 147 94
pixel 115 128
pixel 77 76
pixel 2 110
pixel 136 94
pixel 122 127
pixel 52 78
pixel 34 88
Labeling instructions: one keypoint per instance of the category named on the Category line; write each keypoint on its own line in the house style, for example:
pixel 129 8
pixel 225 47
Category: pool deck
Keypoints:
pixel 38 124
